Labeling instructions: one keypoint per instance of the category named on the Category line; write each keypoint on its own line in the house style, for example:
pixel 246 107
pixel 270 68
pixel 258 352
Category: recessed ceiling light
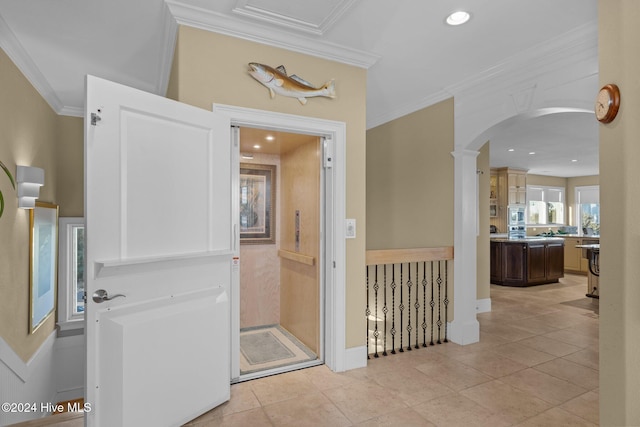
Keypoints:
pixel 511 150
pixel 269 137
pixel 247 156
pixel 257 146
pixel 532 152
pixel 458 18
pixel 574 160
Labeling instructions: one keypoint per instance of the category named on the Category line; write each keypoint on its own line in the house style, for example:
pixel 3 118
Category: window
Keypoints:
pixel 71 273
pixel 588 208
pixel 545 205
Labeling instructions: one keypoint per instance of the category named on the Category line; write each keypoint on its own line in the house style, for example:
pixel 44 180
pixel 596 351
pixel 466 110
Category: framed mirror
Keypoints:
pixel 43 262
pixel 257 203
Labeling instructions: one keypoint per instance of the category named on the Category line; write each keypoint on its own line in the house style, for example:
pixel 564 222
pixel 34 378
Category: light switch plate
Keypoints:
pixel 350 228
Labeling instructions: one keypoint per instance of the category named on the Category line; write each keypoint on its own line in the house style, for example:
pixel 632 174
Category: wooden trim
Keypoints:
pixel 395 256
pixel 294 256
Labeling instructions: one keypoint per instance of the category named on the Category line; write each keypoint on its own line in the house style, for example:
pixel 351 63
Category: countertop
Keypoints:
pixel 593 246
pixel 527 239
pixel 494 236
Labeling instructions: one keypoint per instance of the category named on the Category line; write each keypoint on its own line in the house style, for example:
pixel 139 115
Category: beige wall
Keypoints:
pixel 549 181
pixel 619 62
pixel 212 68
pixel 483 256
pixel 410 180
pixel 28 132
pixel 70 165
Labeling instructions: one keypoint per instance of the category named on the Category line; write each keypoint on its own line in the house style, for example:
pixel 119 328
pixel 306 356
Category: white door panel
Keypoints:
pixel 142 343
pixel 159 231
pixel 164 187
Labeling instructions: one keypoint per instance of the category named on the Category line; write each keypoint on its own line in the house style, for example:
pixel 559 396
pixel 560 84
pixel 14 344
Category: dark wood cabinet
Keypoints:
pixel 555 263
pixel 526 262
pixel 496 261
pixel 537 261
pixel 514 258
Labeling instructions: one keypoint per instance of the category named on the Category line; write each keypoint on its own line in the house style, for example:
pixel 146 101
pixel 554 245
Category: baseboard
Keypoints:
pixel 355 357
pixel 69 395
pixel 483 305
pixel 464 333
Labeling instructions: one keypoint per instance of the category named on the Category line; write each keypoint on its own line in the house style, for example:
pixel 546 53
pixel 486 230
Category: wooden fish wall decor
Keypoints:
pixel 277 81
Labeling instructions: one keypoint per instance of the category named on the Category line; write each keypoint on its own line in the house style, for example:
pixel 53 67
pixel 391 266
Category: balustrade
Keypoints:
pixel 407 299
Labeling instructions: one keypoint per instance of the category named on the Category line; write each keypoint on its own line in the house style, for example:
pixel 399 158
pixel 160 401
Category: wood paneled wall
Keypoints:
pixel 299 281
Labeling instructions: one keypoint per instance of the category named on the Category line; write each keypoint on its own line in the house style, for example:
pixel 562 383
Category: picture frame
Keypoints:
pixel 257 203
pixel 43 263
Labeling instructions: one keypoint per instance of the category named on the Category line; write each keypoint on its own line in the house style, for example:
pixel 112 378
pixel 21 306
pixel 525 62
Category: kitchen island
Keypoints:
pixel 526 261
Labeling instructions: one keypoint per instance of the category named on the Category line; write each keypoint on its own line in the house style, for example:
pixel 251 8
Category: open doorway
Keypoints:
pixel 280 226
pixel 332 265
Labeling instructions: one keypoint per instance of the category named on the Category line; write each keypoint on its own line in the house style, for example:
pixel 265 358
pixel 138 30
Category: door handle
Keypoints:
pixel 101 296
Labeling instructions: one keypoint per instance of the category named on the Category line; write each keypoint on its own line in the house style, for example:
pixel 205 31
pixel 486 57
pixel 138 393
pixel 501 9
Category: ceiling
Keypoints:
pixel 271 142
pixel 413 58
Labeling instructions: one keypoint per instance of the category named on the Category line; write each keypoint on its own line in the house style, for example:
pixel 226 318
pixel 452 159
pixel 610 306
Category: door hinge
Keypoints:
pixel 84 297
pixel 95 118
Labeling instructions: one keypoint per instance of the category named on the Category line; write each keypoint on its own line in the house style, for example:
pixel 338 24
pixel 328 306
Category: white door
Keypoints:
pixel 159 233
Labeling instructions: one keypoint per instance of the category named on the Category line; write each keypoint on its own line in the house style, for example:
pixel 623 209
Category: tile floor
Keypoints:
pixel 535 365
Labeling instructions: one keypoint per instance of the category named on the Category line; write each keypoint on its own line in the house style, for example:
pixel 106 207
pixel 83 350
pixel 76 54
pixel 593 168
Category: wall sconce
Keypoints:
pixel 29 181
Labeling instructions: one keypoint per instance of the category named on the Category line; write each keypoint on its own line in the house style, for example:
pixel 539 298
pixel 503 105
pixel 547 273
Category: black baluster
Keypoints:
pixel 376 333
pixel 439 302
pixel 409 285
pixel 446 299
pixel 393 309
pixel 385 310
pixel 424 304
pixel 432 304
pixel 417 304
pixel 401 308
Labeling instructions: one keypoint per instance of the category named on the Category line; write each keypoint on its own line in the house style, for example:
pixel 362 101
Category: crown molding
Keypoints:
pixel 570 47
pixel 244 9
pixel 71 111
pixel 169 35
pixel 14 49
pixel 215 22
pixel 16 52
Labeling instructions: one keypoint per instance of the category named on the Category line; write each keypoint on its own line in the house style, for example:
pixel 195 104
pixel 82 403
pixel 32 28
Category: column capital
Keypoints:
pixel 465 152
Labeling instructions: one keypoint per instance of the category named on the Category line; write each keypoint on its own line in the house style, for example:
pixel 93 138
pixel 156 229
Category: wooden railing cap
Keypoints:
pixel 395 256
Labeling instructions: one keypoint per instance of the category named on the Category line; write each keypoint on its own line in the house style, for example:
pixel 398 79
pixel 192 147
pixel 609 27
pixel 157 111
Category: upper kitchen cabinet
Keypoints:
pixel 517 182
pixel 493 194
pixel 508 186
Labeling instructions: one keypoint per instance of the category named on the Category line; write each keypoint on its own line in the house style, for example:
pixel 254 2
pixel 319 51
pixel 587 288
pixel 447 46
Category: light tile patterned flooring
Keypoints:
pixel 535 365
